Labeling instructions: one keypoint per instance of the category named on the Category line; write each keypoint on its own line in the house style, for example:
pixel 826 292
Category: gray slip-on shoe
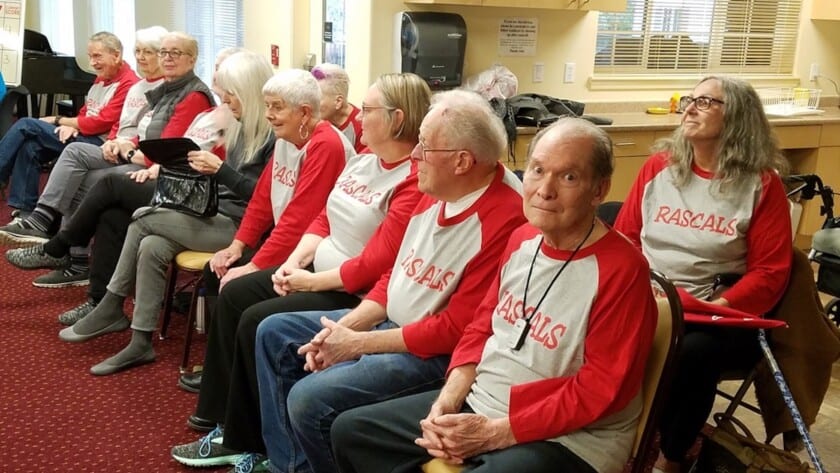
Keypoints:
pixel 69 335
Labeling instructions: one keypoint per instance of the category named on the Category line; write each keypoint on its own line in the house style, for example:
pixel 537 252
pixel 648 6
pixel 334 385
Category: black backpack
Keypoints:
pixel 542 110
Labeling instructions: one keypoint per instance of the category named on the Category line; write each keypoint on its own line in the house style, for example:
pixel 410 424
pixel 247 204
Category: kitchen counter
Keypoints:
pixel 641 121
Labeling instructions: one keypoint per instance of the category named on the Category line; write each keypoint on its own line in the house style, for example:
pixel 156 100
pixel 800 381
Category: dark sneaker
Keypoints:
pixel 77 313
pixel 207 451
pixel 34 257
pixel 250 463
pixel 20 234
pixel 62 278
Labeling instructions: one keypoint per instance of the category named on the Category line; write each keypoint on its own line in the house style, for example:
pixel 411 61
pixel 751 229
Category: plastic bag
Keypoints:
pixel 496 82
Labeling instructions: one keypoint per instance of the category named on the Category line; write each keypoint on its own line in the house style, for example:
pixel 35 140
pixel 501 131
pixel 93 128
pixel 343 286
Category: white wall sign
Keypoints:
pixel 11 40
pixel 518 37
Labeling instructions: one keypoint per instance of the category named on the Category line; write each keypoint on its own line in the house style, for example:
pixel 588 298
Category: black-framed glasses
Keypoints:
pixel 423 150
pixel 702 102
pixel 174 54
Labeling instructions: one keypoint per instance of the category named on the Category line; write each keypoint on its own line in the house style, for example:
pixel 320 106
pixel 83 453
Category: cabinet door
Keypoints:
pixel 547 4
pixel 604 5
pixel 825 10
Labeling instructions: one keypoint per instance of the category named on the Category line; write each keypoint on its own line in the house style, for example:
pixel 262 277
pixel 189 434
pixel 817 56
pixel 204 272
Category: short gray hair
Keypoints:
pixel 189 44
pixel 332 79
pixel 469 123
pixel 297 88
pixel 109 40
pixel 600 156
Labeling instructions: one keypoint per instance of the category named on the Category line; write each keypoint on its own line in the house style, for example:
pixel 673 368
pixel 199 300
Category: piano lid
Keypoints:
pixel 36 43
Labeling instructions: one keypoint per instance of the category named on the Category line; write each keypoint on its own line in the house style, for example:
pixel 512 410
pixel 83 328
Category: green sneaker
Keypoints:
pixel 207 451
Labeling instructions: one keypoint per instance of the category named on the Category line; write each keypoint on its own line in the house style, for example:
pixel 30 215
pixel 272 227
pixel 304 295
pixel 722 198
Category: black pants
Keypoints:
pixel 379 438
pixel 707 352
pixel 105 212
pixel 229 393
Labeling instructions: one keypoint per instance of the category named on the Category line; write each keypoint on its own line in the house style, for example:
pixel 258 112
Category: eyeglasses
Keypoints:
pixel 702 102
pixel 421 156
pixel 174 54
pixel 368 108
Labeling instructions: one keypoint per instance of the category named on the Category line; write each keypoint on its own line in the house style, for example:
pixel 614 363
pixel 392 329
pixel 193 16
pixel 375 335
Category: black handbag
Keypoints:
pixel 191 193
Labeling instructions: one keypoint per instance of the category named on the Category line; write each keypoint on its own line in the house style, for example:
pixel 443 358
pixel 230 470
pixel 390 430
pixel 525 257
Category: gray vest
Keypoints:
pixel 164 98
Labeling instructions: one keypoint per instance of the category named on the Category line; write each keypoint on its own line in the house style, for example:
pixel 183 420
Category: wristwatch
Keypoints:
pixel 128 156
pixel 57 120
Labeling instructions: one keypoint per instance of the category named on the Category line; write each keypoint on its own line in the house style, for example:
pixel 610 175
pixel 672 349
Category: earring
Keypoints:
pixel 303 132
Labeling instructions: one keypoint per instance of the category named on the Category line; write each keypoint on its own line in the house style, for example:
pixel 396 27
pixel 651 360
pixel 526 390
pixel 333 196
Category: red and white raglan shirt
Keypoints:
pixel 104 103
pixel 291 192
pixel 577 377
pixel 208 128
pixel 365 219
pixel 695 232
pixel 352 129
pixel 134 107
pixel 445 263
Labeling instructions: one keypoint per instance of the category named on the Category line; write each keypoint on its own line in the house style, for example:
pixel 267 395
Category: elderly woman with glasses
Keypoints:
pixel 335 84
pixel 710 201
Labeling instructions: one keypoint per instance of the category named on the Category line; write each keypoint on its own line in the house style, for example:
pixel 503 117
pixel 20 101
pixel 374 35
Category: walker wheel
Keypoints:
pixel 832 310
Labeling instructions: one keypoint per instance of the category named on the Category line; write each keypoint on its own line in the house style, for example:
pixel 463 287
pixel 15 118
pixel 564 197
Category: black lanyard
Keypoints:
pixel 525 322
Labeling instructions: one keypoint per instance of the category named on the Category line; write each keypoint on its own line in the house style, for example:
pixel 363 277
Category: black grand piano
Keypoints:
pixel 43 75
pixel 45 72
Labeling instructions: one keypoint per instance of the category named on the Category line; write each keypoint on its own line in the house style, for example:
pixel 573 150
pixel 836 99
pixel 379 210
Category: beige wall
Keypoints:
pixel 564 36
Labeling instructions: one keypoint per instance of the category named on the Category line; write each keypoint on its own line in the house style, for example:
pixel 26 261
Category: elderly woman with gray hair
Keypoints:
pixel 335 85
pixel 308 156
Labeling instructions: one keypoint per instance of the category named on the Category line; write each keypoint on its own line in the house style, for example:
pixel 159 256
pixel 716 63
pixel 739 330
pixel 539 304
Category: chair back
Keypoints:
pixel 660 368
pixel 439 466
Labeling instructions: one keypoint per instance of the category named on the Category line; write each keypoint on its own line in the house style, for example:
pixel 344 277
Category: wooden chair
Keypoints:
pixel 192 262
pixel 659 372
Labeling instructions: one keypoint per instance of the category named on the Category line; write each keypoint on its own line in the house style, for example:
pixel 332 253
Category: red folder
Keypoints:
pixel 701 312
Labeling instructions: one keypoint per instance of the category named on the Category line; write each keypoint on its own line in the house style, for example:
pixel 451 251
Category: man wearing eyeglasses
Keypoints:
pixel 398 340
pixel 31 143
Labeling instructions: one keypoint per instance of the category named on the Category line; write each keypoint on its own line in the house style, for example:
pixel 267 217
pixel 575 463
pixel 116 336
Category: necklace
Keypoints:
pixel 524 324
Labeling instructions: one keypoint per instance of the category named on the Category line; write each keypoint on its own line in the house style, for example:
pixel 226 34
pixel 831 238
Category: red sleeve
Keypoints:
pixel 618 339
pixel 185 112
pixel 182 117
pixel 324 162
pixel 438 334
pixel 259 216
pixel 769 252
pixel 321 225
pixel 362 272
pixel 109 115
pixel 629 220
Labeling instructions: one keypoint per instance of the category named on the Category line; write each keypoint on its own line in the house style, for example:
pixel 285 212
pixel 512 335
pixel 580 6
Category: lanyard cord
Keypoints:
pixel 531 270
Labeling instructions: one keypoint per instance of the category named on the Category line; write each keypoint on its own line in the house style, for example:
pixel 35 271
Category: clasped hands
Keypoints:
pixel 455 437
pixel 291 278
pixel 333 344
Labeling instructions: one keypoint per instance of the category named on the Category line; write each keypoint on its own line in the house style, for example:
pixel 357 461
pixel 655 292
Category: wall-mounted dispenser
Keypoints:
pixel 431 45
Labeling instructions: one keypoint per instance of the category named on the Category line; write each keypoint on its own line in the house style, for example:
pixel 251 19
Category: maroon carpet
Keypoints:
pixel 55 416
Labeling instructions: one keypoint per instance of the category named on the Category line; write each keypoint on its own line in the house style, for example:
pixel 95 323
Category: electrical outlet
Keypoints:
pixel 539 70
pixel 814 72
pixel 569 73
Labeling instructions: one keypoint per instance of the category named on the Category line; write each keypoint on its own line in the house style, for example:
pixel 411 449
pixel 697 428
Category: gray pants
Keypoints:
pixel 152 242
pixel 76 171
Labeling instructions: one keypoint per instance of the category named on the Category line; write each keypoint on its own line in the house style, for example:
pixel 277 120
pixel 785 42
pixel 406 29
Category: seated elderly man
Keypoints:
pixel 32 142
pixel 548 376
pixel 398 340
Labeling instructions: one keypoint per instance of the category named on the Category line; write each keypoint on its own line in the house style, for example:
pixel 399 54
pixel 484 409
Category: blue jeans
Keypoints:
pixel 298 408
pixel 27 145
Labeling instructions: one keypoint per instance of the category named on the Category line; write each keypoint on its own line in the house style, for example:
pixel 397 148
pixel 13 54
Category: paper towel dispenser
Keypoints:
pixel 431 45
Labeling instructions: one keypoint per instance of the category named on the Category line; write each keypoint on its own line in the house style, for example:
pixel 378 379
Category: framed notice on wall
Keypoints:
pixel 11 40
